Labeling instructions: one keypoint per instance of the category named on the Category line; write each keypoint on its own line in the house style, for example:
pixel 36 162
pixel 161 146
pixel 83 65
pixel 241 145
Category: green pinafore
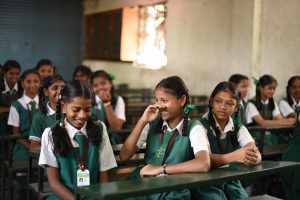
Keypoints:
pixel 157 153
pixel 229 190
pixel 270 138
pixel 41 122
pixel 292 154
pixel 240 116
pixel 101 115
pixel 20 152
pixel 69 164
pixel 6 100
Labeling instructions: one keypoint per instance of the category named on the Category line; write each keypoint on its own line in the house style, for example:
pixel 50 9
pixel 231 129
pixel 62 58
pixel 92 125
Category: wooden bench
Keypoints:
pixel 146 186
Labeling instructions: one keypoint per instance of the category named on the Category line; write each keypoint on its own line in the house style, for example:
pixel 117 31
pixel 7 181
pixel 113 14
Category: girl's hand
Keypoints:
pixel 104 96
pixel 252 154
pixel 151 170
pixel 150 113
pixel 239 155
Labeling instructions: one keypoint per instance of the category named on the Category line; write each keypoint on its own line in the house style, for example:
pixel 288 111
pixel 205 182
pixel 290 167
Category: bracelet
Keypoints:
pixel 164 171
pixel 106 104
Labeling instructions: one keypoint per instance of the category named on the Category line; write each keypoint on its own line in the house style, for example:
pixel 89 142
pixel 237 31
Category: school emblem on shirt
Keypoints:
pixel 160 152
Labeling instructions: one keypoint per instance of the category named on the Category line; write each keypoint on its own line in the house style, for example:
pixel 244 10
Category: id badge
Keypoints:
pixel 83 177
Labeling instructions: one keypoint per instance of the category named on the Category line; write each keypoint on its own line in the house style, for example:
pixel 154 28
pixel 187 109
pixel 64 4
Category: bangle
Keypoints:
pixel 164 171
pixel 106 104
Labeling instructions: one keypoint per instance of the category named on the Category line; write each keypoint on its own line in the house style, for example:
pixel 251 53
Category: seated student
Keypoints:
pixel 82 73
pixel 242 83
pixel 45 117
pixel 45 68
pixel 230 142
pixel 292 154
pixel 290 106
pixel 109 108
pixel 174 143
pixel 22 112
pixel 77 149
pixel 263 110
pixel 10 91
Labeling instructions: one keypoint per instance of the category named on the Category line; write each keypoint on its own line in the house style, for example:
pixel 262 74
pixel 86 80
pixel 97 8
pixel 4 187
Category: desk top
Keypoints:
pixel 146 186
pixel 270 128
pixel 12 137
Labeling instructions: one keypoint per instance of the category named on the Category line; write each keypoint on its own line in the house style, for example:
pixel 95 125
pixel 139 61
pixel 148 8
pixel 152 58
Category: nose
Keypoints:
pixel 82 114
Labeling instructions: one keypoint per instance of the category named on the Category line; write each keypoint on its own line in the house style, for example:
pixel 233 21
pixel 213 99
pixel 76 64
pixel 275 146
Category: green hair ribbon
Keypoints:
pixel 188 108
pixel 255 81
pixel 112 77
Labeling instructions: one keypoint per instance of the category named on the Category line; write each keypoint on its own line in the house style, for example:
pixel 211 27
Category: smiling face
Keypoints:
pixel 31 84
pixel 77 111
pixel 294 90
pixel 267 91
pixel 223 105
pixel 12 76
pixel 101 84
pixel 53 91
pixel 172 105
pixel 45 70
pixel 243 87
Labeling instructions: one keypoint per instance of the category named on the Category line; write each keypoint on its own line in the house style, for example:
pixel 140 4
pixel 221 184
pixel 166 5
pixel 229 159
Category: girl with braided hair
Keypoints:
pixel 263 110
pixel 174 143
pixel 76 152
pixel 45 116
pixel 230 142
pixel 290 105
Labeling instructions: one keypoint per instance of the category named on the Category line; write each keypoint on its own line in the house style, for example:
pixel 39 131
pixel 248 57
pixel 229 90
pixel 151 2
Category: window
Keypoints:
pixel 152 33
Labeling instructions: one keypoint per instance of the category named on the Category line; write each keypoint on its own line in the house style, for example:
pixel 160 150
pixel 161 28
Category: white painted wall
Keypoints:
pixel 208 40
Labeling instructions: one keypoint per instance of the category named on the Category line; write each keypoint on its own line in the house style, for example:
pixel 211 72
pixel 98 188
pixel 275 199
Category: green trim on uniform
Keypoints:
pixel 270 138
pixel 20 152
pixel 181 151
pixel 228 190
pixel 69 165
pixel 101 115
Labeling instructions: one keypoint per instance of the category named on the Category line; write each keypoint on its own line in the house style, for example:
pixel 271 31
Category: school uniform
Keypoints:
pixel 252 111
pixel 240 115
pixel 6 98
pixel 99 158
pixel 98 111
pixel 292 154
pixel 21 114
pixel 286 108
pixel 183 148
pixel 232 189
pixel 41 122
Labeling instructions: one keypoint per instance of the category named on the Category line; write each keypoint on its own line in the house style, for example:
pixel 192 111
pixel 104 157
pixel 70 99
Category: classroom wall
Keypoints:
pixel 208 40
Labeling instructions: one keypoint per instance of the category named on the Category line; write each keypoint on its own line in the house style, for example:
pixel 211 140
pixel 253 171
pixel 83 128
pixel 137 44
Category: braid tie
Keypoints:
pixel 255 81
pixel 187 110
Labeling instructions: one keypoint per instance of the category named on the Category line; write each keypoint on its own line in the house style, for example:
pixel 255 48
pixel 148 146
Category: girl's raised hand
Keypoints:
pixel 151 113
pixel 104 96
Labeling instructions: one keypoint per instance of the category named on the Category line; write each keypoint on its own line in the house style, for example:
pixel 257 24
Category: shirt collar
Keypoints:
pixel 8 89
pixel 98 100
pixel 27 99
pixel 178 127
pixel 72 130
pixel 265 102
pixel 228 127
pixel 50 111
pixel 294 102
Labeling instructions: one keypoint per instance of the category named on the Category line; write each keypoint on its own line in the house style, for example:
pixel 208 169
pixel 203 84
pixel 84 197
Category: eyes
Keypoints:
pixel 228 103
pixel 78 109
pixel 161 101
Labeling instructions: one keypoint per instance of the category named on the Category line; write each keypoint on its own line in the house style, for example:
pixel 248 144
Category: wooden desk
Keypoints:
pixel 131 188
pixel 263 129
pixel 10 139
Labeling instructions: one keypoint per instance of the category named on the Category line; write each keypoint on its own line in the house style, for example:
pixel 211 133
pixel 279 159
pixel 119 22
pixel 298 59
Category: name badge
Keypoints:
pixel 83 177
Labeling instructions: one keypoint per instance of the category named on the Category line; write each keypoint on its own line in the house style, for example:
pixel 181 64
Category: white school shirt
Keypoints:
pixel 199 142
pixel 15 88
pixel 14 117
pixel 285 107
pixel 119 109
pixel 47 157
pixel 243 136
pixel 50 111
pixel 251 111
